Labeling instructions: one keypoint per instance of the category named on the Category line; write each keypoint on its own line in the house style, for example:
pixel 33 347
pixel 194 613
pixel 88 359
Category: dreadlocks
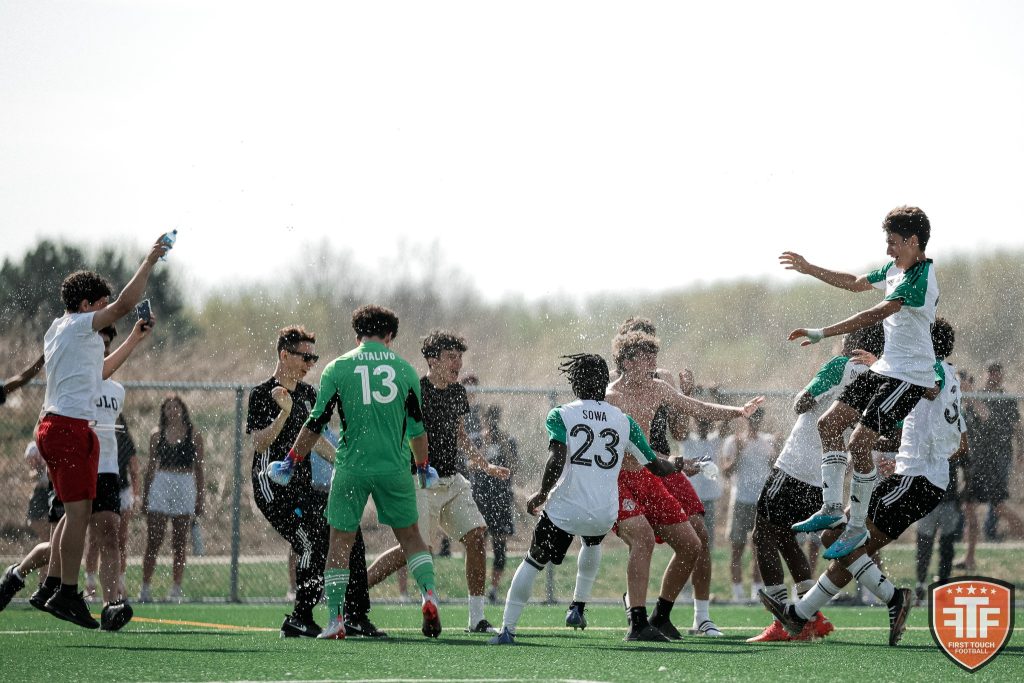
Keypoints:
pixel 587 374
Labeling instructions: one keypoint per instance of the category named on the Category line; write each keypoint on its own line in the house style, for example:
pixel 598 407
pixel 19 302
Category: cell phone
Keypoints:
pixel 144 311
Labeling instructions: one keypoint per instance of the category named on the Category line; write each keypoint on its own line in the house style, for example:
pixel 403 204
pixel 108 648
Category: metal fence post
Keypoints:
pixel 236 497
pixel 550 569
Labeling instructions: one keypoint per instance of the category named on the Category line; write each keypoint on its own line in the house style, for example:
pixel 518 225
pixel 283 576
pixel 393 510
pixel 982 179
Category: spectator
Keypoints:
pixel 704 445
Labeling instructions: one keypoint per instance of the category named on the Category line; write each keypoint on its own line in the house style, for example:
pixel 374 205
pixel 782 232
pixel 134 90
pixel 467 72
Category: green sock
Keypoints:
pixel 335 585
pixel 421 566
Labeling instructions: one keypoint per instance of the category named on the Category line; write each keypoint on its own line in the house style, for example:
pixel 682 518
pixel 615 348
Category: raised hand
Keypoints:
pixel 156 251
pixel 812 336
pixel 282 398
pixel 751 406
pixel 791 260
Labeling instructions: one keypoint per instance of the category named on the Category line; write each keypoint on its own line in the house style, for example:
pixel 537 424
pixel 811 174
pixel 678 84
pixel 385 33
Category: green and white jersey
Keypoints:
pixel 801 454
pixel 597 436
pixel 931 433
pixel 908 353
pixel 377 395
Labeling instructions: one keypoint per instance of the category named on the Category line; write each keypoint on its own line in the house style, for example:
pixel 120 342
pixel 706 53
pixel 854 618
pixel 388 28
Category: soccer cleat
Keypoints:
pixel 822 626
pixel 115 615
pixel 648 634
pixel 483 627
pixel 71 608
pixel 431 620
pixel 899 610
pixel 506 637
pixel 293 627
pixel 825 518
pixel 852 538
pixel 705 628
pixel 10 584
pixel 773 633
pixel 40 596
pixel 335 629
pixel 786 614
pixel 363 627
pixel 575 617
pixel 669 630
pixel 280 471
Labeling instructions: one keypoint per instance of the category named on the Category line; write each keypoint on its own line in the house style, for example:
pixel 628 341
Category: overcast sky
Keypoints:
pixel 546 147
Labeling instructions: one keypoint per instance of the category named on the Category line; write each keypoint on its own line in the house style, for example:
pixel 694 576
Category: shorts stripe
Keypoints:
pixel 307 548
pixel 268 494
pixel 899 492
pixel 777 484
pixel 888 404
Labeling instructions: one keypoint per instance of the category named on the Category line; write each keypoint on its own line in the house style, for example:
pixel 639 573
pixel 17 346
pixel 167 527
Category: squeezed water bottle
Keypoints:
pixel 169 239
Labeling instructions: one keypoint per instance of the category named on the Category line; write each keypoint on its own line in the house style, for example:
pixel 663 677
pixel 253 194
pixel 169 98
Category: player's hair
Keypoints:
pixel 293 335
pixel 82 285
pixel 907 221
pixel 109 331
pixel 635 323
pixel 631 344
pixel 442 340
pixel 587 374
pixel 943 338
pixel 374 321
pixel 870 339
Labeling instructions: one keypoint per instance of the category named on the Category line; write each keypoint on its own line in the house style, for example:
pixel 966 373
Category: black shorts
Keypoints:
pixel 38 504
pixel 108 497
pixel 899 501
pixel 883 402
pixel 551 543
pixel 786 500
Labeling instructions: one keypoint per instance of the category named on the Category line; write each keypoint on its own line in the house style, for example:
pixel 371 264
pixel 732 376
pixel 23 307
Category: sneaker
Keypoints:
pixel 669 630
pixel 363 627
pixel 773 633
pixel 647 634
pixel 786 614
pixel 293 627
pixel 176 594
pixel 705 628
pixel 145 597
pixel 899 610
pixel 575 617
pixel 280 471
pixel 822 626
pixel 852 538
pixel 825 518
pixel 10 584
pixel 71 608
pixel 506 637
pixel 115 615
pixel 335 630
pixel 483 627
pixel 431 620
pixel 40 596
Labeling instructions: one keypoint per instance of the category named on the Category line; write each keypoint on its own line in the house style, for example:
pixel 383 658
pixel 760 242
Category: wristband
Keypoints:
pixel 815 335
pixel 294 456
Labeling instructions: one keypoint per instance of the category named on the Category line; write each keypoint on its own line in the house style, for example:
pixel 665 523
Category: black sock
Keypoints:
pixel 69 589
pixel 577 603
pixel 662 611
pixel 51 583
pixel 638 617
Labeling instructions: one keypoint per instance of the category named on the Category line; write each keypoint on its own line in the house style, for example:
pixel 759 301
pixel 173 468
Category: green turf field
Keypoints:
pixel 240 642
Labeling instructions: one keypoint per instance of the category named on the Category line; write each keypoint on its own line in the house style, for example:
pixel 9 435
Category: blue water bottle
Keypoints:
pixel 169 239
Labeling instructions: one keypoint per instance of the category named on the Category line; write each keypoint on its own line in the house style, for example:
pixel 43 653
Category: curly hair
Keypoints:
pixel 82 285
pixel 587 374
pixel 442 340
pixel 634 324
pixel 943 338
pixel 374 321
pixel 630 345
pixel 907 221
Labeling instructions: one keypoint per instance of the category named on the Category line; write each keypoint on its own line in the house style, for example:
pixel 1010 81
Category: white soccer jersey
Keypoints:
pixel 931 433
pixel 597 436
pixel 74 366
pixel 108 407
pixel 908 353
pixel 801 454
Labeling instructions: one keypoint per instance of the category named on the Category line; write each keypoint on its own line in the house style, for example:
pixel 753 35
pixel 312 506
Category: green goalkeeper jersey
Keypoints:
pixel 377 395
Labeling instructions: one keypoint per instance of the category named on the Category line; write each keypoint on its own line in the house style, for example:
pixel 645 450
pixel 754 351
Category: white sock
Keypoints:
pixel 833 473
pixel 519 594
pixel 700 610
pixel 816 598
pixel 587 564
pixel 476 610
pixel 871 578
pixel 737 591
pixel 802 588
pixel 778 592
pixel 755 587
pixel 860 496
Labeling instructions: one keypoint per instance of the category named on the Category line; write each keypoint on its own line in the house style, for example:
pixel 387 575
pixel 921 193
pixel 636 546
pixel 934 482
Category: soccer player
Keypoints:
pixel 12 384
pixel 278 408
pixel 377 395
pixel 647 506
pixel 580 490
pixel 885 395
pixel 450 503
pixel 933 435
pixel 793 490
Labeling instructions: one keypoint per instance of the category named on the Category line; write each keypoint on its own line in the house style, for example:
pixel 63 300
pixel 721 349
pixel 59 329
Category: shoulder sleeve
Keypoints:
pixel 326 400
pixel 830 375
pixel 555 425
pixel 877 277
pixel 262 410
pixel 940 375
pixel 914 287
pixel 414 403
pixel 638 442
pixel 83 324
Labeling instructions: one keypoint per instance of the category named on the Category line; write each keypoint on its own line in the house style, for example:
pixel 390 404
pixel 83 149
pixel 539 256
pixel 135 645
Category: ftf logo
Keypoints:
pixel 971 618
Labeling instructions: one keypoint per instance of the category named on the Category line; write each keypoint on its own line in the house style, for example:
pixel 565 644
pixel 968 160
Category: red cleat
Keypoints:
pixel 822 626
pixel 773 633
pixel 431 620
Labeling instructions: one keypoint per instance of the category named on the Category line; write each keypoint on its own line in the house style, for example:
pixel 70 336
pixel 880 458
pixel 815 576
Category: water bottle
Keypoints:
pixel 169 239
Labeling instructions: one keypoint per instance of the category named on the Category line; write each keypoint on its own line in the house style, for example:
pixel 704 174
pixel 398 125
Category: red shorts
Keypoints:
pixel 642 493
pixel 72 454
pixel 679 486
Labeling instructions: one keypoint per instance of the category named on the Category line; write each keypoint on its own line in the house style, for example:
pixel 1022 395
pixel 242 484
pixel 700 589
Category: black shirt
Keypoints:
pixel 263 410
pixel 442 417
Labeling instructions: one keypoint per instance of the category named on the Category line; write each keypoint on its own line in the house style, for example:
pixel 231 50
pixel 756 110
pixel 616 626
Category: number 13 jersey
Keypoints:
pixel 597 436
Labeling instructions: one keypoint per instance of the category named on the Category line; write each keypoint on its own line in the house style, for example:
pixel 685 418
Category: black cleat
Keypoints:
pixel 9 586
pixel 115 615
pixel 786 614
pixel 899 610
pixel 483 626
pixel 40 596
pixel 293 627
pixel 362 626
pixel 647 634
pixel 71 608
pixel 669 630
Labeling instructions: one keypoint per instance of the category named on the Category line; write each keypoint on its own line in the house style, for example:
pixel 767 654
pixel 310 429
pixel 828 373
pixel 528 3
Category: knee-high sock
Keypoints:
pixel 816 598
pixel 421 566
pixel 519 593
pixel 871 577
pixel 860 496
pixel 833 473
pixel 335 585
pixel 587 564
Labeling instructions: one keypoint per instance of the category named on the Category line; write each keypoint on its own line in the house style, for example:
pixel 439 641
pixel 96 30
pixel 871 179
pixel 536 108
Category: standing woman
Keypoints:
pixel 174 490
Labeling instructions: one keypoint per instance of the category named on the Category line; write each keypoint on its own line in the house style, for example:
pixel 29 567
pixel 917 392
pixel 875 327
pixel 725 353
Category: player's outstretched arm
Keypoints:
pixel 804 402
pixel 476 460
pixel 712 412
pixel 116 359
pixel 791 260
pixel 855 322
pixel 133 291
pixel 552 472
pixel 26 375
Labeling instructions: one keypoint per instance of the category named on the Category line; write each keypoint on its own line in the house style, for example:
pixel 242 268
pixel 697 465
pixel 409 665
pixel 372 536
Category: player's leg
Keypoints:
pixel 702 622
pixel 587 564
pixel 926 528
pixel 181 532
pixel 357 597
pixel 834 460
pixel 499 546
pixel 386 564
pixel 970 535
pixel 637 534
pixel 91 560
pixel 460 518
pixel 13 579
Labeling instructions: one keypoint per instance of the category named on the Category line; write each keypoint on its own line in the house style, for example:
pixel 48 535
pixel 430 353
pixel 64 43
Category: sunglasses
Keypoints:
pixel 308 357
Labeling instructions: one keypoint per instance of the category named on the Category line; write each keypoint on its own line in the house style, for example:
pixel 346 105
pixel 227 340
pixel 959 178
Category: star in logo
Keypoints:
pixel 959 589
pixel 971 590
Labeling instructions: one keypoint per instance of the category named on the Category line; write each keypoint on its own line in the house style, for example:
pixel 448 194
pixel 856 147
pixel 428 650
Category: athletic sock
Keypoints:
pixel 519 594
pixel 871 578
pixel 69 589
pixel 833 472
pixel 52 583
pixel 816 598
pixel 777 592
pixel 700 610
pixel 18 575
pixel 335 585
pixel 587 564
pixel 421 566
pixel 737 592
pixel 476 610
pixel 860 496
pixel 662 612
pixel 802 588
